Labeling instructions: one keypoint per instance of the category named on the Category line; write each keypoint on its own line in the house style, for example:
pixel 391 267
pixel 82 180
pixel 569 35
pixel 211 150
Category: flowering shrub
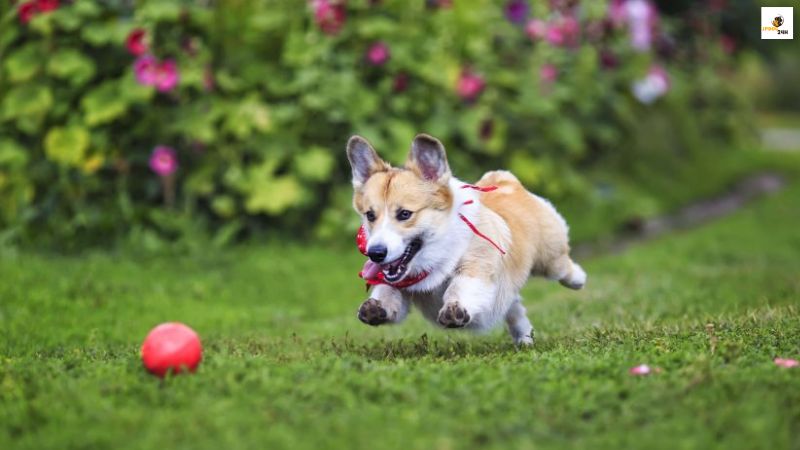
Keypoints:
pixel 232 116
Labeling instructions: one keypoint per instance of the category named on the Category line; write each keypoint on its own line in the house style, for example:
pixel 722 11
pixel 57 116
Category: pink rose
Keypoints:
pixel 536 29
pixel 378 53
pixel 135 42
pixel 26 11
pixel 163 161
pixel 166 76
pixel 548 73
pixel 329 15
pixel 470 85
pixel 150 72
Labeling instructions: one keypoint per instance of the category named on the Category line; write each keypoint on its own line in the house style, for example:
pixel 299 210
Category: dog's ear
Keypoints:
pixel 364 160
pixel 428 159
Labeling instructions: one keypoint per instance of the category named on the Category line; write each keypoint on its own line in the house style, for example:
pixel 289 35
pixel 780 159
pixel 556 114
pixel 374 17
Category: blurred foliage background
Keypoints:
pixel 162 120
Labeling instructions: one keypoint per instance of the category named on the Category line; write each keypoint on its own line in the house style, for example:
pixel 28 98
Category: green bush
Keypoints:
pixel 269 91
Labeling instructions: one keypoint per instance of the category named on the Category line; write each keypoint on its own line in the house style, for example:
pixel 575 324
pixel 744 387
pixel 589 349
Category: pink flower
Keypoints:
pixel 150 72
pixel 643 369
pixel 166 76
pixel 563 32
pixel 548 73
pixel 617 13
pixel 27 11
pixel 654 85
pixel 787 363
pixel 378 53
pixel 571 29
pixel 329 15
pixel 135 42
pixel 536 29
pixel 163 161
pixel 470 85
pixel 47 5
pixel 145 69
pixel 554 35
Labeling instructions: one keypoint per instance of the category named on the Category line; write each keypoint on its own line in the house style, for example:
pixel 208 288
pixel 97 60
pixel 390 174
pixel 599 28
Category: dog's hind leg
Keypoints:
pixel 519 326
pixel 567 273
pixel 385 305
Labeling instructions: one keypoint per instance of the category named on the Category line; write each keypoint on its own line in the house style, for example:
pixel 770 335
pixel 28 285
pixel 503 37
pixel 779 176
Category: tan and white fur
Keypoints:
pixel 470 284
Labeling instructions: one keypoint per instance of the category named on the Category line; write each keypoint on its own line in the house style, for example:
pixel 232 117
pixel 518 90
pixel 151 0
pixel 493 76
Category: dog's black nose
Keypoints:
pixel 377 253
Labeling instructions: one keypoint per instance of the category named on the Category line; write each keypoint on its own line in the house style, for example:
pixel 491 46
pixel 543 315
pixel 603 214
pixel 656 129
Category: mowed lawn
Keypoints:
pixel 288 365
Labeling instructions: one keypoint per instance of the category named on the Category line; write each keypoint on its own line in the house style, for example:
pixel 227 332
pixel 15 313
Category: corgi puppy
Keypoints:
pixel 460 253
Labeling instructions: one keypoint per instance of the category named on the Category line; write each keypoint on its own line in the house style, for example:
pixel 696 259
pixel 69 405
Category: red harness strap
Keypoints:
pixel 479 188
pixel 361 241
pixel 470 224
pixel 479 234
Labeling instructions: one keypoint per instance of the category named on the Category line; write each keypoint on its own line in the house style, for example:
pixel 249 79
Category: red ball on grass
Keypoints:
pixel 171 347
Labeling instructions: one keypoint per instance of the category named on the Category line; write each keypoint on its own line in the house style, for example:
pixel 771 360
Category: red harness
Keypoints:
pixel 361 241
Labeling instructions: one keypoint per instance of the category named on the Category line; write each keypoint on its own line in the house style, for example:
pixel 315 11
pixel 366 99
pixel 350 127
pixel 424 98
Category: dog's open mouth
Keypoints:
pixel 395 270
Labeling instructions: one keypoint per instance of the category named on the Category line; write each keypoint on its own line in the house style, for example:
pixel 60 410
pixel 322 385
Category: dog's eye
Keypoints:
pixel 370 216
pixel 403 214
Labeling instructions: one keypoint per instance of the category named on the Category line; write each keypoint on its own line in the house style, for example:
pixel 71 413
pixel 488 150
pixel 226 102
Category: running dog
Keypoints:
pixel 459 252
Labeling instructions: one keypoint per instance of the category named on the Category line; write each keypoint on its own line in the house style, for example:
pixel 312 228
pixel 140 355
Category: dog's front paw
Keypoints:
pixel 452 315
pixel 372 313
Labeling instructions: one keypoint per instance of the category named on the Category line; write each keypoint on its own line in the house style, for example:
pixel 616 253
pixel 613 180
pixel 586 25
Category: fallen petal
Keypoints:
pixel 786 362
pixel 643 369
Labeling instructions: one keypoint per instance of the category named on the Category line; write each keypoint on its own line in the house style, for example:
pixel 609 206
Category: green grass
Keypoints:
pixel 288 365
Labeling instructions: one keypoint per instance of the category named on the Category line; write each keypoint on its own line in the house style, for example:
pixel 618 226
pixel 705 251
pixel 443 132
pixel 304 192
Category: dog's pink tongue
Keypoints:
pixel 370 269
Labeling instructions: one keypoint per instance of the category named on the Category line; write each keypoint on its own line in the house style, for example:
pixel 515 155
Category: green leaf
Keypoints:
pixel 247 116
pixel 224 206
pixel 42 23
pixel 67 18
pixel 273 196
pixel 568 135
pixel 315 164
pixel 30 101
pixel 71 64
pixel 132 91
pixel 23 64
pixel 104 33
pixel 12 154
pixel 158 11
pixel 526 168
pixel 67 145
pixel 86 9
pixel 104 104
pixel 7 35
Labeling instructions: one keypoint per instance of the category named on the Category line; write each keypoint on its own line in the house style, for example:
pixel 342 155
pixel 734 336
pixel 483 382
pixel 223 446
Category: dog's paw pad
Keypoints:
pixel 372 313
pixel 453 316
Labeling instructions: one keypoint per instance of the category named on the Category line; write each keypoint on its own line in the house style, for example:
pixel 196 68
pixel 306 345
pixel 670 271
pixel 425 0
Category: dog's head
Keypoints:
pixel 401 208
